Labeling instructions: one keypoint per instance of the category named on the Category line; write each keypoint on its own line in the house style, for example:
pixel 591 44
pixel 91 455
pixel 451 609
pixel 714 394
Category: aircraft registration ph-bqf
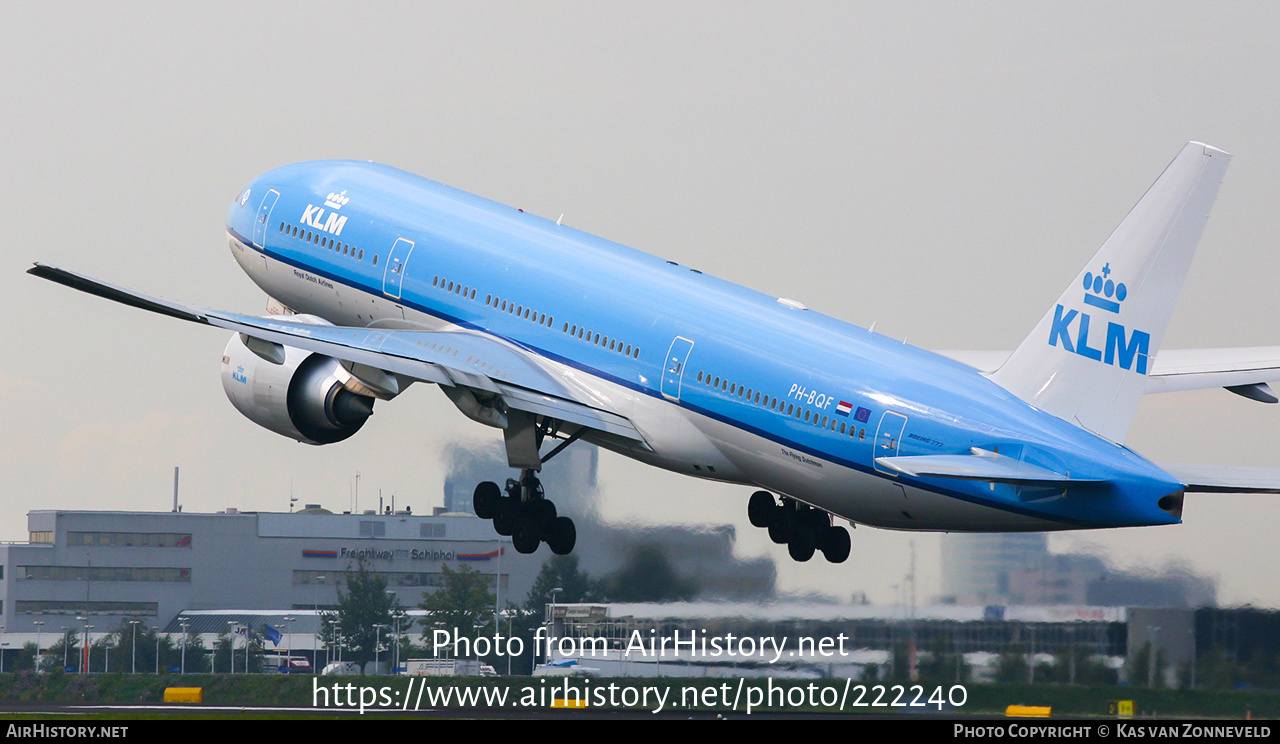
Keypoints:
pixel 377 278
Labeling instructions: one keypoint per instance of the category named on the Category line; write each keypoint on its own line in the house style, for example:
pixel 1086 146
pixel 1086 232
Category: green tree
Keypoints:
pixel 562 572
pixel 463 605
pixel 558 572
pixel 64 652
pixel 364 614
pixel 26 658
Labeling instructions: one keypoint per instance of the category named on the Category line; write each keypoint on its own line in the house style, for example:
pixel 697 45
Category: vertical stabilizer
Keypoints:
pixel 1087 359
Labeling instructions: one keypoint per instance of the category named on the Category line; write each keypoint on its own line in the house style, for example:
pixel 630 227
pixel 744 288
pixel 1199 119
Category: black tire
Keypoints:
pixel 801 549
pixel 542 512
pixel 486 499
pixel 563 535
pixel 526 537
pixel 781 528
pixel 760 508
pixel 507 518
pixel 836 544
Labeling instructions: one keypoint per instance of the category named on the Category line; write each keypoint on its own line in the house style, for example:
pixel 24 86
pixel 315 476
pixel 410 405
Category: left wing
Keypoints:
pixel 459 359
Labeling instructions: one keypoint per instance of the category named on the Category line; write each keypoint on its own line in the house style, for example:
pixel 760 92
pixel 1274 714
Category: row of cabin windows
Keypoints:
pixel 467 293
pixel 800 413
pixel 542 319
pixel 520 311
pixel 604 342
pixel 325 242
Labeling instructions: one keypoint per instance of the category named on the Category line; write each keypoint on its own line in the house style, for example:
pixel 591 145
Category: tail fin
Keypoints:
pixel 1087 359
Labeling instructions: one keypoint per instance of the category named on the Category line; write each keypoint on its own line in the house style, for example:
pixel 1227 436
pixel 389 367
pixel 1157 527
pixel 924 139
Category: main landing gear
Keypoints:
pixel 525 515
pixel 803 528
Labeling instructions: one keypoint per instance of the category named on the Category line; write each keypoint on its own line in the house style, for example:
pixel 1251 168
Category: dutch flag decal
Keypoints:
pixel 845 408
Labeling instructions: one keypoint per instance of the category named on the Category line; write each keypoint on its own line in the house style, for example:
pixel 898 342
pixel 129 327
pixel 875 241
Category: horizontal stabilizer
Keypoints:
pixel 1225 479
pixel 980 465
pixel 1195 369
pixel 1244 370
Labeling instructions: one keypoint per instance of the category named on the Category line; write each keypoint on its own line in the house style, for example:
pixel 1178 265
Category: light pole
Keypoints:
pixel 551 635
pixel 66 641
pixel 315 639
pixel 38 623
pixel 134 651
pixel 395 657
pixel 157 650
pixel 398 615
pixel 289 640
pixel 1151 657
pixel 233 625
pixel 377 646
pixel 183 622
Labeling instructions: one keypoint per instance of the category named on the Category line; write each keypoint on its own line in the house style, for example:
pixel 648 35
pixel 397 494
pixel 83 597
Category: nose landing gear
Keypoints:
pixel 801 527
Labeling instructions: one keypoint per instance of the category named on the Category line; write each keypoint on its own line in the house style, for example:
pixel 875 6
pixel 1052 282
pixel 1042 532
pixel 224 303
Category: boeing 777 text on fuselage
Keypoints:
pixel 378 278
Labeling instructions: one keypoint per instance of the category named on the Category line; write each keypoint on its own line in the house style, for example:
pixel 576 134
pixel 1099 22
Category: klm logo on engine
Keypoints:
pixel 1129 350
pixel 330 222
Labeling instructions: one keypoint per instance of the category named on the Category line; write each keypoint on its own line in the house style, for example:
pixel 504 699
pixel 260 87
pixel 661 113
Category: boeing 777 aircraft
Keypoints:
pixel 377 279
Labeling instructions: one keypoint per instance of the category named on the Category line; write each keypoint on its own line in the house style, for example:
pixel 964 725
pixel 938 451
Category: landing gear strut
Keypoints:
pixel 801 527
pixel 522 511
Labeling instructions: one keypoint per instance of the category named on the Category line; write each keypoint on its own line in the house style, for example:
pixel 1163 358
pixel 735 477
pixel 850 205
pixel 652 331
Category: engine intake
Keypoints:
pixel 303 398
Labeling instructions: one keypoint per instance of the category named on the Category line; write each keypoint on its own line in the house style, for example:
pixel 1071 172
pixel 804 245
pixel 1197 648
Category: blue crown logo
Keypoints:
pixel 1101 292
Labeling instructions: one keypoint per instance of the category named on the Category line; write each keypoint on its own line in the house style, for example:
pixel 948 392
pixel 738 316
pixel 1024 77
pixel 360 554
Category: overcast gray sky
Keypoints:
pixel 941 169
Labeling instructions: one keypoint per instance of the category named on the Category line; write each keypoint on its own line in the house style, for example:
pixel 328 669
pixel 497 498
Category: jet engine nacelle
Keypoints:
pixel 303 397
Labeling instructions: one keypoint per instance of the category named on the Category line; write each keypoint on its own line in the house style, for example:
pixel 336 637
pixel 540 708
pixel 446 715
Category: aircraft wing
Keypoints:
pixel 455 359
pixel 1244 371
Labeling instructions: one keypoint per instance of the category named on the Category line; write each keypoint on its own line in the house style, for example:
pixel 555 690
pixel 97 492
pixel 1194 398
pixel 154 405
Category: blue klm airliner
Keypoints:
pixel 378 278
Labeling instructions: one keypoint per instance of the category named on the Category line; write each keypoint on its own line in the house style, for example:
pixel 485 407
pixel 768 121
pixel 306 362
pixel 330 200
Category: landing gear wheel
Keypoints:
pixel 760 508
pixel 836 544
pixel 561 536
pixel 782 524
pixel 526 537
pixel 507 518
pixel 486 499
pixel 540 511
pixel 521 511
pixel 801 547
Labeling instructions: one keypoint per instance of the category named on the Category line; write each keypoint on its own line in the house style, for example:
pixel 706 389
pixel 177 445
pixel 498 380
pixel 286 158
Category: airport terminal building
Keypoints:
pixel 152 566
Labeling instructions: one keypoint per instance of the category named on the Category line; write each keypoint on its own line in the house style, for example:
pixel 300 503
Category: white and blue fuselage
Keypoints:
pixel 723 382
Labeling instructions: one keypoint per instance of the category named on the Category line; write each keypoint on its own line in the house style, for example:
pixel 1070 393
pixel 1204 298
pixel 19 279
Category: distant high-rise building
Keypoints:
pixel 1018 569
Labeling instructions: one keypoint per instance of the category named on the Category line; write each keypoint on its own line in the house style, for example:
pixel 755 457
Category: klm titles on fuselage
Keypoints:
pixel 1071 327
pixel 333 222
